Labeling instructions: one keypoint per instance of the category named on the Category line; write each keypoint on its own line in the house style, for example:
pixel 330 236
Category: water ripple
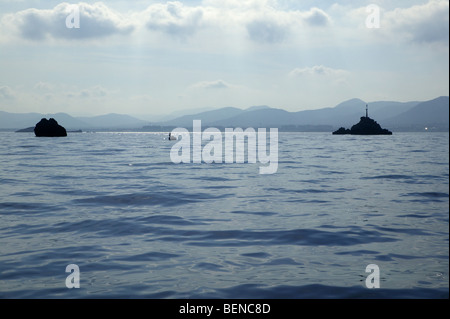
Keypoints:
pixel 317 291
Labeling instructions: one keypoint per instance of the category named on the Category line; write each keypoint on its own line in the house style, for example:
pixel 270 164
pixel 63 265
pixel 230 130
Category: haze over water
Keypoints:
pixel 140 226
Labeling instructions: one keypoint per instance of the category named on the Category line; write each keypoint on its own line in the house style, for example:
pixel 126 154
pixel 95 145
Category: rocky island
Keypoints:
pixel 366 126
pixel 49 128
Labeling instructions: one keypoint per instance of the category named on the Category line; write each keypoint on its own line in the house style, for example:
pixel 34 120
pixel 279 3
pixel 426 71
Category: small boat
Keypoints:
pixel 172 137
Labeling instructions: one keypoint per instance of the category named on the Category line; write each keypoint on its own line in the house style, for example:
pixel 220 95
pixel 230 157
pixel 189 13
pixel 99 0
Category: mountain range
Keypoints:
pixel 399 116
pixel 396 116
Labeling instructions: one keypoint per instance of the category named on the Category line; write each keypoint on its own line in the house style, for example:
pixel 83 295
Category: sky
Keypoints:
pixel 161 57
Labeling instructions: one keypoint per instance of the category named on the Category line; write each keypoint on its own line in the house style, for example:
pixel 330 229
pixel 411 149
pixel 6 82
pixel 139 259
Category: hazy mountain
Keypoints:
pixel 180 113
pixel 346 113
pixel 257 107
pixel 385 110
pixel 429 113
pixel 18 120
pixel 24 120
pixel 205 117
pixel 64 119
pixel 167 117
pixel 113 121
pixel 433 112
pixel 256 118
pixel 389 114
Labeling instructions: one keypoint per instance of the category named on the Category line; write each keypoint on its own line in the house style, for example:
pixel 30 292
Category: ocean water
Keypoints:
pixel 139 226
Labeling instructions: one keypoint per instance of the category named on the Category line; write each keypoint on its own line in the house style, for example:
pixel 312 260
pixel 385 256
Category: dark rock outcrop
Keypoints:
pixel 341 131
pixel 366 126
pixel 49 128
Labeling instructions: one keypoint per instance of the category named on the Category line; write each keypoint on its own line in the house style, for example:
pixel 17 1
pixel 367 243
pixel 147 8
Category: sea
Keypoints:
pixel 110 215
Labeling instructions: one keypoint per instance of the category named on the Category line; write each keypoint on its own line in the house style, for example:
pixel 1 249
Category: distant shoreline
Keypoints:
pixel 280 129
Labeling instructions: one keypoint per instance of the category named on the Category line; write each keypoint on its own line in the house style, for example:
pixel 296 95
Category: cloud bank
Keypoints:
pixel 318 70
pixel 427 23
pixel 263 22
pixel 96 21
pixel 6 93
pixel 174 19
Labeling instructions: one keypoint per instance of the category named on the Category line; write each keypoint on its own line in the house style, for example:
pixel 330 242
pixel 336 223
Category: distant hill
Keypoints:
pixel 257 107
pixel 346 113
pixel 395 116
pixel 430 114
pixel 206 117
pixel 23 120
pixel 16 121
pixel 113 120
pixel 384 110
pixel 170 116
pixel 257 118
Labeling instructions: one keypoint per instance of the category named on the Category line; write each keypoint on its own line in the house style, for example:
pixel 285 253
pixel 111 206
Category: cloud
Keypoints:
pixel 426 23
pixel 422 24
pixel 272 25
pixel 316 17
pixel 208 85
pixel 96 21
pixel 93 92
pixel 174 18
pixel 318 71
pixel 240 5
pixel 6 93
pixel 261 21
pixel 43 86
pixel 267 31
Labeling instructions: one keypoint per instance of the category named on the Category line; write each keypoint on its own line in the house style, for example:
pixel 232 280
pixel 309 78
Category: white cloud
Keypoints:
pixel 267 30
pixel 259 21
pixel 264 21
pixel 6 93
pixel 47 97
pixel 319 71
pixel 89 93
pixel 240 5
pixel 96 21
pixel 426 23
pixel 43 86
pixel 174 18
pixel 272 25
pixel 218 84
pixel 316 17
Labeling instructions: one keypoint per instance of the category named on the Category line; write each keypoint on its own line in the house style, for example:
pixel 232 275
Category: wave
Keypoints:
pixel 153 198
pixel 318 291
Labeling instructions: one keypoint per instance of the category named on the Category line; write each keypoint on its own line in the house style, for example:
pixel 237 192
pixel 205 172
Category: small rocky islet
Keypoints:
pixel 49 128
pixel 366 126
